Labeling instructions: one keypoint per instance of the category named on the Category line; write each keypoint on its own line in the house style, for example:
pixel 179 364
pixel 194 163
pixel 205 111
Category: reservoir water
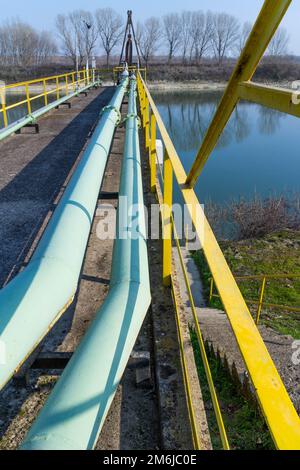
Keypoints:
pixel 258 152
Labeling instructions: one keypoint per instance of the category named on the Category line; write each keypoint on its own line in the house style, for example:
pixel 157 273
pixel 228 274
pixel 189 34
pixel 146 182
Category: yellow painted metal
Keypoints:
pixel 275 403
pixel 209 378
pixel 49 85
pixel 280 99
pixel 28 99
pixel 167 220
pixel 267 23
pixel 260 302
pixel 196 439
pixel 147 136
pixel 45 93
pixel 261 298
pixel 152 153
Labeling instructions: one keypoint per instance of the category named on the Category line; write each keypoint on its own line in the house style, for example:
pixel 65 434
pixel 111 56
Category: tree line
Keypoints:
pixel 188 36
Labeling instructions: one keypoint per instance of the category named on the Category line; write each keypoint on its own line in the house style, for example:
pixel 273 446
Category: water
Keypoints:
pixel 258 152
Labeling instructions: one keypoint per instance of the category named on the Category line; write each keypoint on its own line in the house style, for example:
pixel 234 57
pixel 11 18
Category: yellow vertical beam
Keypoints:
pixel 152 154
pixel 3 105
pixel 57 88
pixel 261 299
pixel 167 220
pixel 45 92
pixel 28 98
pixel 266 25
pixel 67 84
pixel 147 135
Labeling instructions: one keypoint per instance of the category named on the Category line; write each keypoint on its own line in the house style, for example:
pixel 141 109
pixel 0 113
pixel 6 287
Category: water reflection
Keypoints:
pixel 247 160
pixel 187 117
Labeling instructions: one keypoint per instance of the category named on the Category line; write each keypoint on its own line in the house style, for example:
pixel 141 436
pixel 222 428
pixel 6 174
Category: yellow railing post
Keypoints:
pixel 147 137
pixel 3 105
pixel 167 220
pixel 45 93
pixel 261 299
pixel 211 290
pixel 152 153
pixel 28 98
pixel 67 84
pixel 57 88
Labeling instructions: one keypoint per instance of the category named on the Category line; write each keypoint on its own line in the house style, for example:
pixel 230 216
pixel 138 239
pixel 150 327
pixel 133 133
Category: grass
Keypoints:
pixel 278 253
pixel 245 427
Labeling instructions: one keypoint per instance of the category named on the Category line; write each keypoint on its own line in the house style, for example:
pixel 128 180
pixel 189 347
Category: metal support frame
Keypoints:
pixel 266 25
pixel 274 401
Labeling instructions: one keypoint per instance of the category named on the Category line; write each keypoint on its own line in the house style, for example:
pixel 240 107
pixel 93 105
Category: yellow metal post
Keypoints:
pixel 167 220
pixel 261 299
pixel 45 93
pixel 211 291
pixel 3 105
pixel 147 135
pixel 152 153
pixel 267 23
pixel 57 88
pixel 67 84
pixel 28 98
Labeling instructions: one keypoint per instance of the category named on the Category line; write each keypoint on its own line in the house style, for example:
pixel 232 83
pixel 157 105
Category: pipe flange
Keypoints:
pixel 132 116
pixel 112 108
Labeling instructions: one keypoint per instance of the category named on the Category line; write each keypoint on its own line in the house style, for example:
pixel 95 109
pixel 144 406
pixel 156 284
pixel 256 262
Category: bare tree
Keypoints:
pixel 186 30
pixel 89 32
pixel 69 32
pixel 21 45
pixel 243 37
pixel 201 33
pixel 46 48
pixel 172 33
pixel 279 44
pixel 148 37
pixel 225 35
pixel 111 29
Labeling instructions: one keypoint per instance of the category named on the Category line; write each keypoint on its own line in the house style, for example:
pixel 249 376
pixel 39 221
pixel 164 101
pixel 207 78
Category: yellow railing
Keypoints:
pixel 131 68
pixel 168 240
pixel 260 302
pixel 42 88
pixel 275 403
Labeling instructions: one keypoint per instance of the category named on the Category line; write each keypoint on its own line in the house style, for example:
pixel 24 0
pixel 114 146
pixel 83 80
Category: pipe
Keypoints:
pixel 31 118
pixel 74 413
pixel 34 300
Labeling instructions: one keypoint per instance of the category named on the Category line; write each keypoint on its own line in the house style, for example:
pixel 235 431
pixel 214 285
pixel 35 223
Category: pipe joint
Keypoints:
pixel 112 108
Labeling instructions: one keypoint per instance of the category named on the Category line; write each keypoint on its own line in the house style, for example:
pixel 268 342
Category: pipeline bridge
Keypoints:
pixel 102 312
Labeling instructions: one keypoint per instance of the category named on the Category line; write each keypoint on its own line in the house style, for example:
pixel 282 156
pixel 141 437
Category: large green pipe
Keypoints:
pixel 35 298
pixel 76 409
pixel 31 118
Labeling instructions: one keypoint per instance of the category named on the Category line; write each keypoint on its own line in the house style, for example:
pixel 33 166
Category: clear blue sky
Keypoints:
pixel 41 14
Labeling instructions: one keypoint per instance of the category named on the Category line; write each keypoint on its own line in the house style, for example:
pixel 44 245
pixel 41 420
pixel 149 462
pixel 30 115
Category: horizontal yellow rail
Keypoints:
pixel 280 99
pixel 275 403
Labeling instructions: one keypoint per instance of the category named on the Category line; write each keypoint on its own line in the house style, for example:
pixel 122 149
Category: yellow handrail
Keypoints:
pixel 275 403
pixel 45 86
pixel 260 302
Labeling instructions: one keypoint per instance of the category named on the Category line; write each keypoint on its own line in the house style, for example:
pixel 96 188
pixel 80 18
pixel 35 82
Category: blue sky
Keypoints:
pixel 42 14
